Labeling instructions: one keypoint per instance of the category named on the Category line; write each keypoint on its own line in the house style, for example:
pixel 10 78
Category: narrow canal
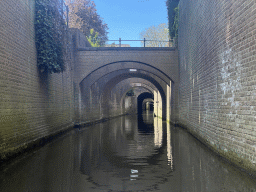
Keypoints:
pixel 129 153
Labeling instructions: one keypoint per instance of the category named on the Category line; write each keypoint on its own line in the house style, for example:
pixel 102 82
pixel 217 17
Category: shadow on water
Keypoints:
pixel 130 153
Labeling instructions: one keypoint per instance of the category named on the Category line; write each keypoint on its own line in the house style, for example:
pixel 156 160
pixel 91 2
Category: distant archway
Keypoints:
pixel 112 82
pixel 140 99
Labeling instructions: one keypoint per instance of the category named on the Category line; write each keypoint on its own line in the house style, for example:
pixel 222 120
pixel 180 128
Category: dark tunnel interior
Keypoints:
pixel 140 100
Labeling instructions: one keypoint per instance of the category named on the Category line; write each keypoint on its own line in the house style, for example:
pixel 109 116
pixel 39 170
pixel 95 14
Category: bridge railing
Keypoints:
pixel 143 43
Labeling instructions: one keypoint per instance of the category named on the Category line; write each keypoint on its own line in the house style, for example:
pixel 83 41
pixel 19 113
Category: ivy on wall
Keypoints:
pixel 173 17
pixel 48 37
pixel 130 93
pixel 175 26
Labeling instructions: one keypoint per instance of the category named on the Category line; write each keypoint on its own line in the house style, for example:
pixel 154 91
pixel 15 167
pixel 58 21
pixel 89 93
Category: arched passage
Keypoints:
pixel 106 94
pixel 123 65
pixel 140 100
pixel 138 88
pixel 98 97
pixel 93 64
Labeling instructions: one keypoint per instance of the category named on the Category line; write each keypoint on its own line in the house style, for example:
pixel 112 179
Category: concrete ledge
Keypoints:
pixel 85 124
pixel 38 143
pixel 230 156
pixel 127 49
pixel 33 145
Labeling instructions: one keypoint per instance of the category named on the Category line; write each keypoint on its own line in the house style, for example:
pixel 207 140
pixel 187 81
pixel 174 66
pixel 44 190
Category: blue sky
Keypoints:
pixel 127 18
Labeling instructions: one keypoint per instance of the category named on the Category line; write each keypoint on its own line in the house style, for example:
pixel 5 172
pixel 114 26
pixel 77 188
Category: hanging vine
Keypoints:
pixel 173 17
pixel 49 37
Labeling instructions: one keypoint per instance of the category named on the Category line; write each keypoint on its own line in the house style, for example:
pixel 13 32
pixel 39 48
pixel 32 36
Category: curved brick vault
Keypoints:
pixel 99 93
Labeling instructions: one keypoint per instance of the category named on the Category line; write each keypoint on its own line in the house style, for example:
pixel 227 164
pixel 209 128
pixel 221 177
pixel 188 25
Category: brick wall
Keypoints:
pixel 217 91
pixel 32 106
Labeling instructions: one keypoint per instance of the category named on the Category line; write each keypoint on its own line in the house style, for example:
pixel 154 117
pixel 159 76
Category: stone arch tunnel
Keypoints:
pixel 206 84
pixel 102 90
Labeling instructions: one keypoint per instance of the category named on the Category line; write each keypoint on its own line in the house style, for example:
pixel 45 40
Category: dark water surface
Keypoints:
pixel 124 154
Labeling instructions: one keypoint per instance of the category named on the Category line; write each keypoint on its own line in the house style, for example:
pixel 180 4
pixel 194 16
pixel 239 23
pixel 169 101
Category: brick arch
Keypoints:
pixel 92 64
pixel 144 86
pixel 119 65
pixel 150 89
pixel 111 83
pixel 90 104
pixel 88 82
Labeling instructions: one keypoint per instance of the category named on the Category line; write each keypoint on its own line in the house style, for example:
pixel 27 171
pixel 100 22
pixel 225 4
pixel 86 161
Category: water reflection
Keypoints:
pixel 169 146
pixel 125 154
pixel 158 130
pixel 136 155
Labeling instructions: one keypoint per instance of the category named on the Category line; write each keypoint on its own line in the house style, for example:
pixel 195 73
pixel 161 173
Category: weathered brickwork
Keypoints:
pixel 161 64
pixel 32 106
pixel 217 91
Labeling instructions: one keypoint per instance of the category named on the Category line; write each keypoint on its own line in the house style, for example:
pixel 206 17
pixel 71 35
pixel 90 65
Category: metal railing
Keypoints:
pixel 158 43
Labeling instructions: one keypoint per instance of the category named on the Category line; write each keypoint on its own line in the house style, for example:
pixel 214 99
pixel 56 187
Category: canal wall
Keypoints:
pixel 33 106
pixel 36 107
pixel 217 88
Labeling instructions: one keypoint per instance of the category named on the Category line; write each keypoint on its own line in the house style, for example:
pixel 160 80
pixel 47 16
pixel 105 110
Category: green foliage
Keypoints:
pixel 48 38
pixel 93 38
pixel 173 14
pixel 130 93
pixel 174 28
pixel 83 15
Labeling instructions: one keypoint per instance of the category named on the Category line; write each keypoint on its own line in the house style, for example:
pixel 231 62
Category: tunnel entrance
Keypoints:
pixel 145 102
pixel 102 94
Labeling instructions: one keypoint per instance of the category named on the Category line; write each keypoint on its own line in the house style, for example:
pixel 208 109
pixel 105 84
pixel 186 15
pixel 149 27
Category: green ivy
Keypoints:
pixel 48 38
pixel 173 16
pixel 93 38
pixel 175 26
pixel 130 93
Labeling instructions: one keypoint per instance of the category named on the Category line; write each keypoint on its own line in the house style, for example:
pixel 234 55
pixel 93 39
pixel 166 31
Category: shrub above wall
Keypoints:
pixel 173 15
pixel 32 107
pixel 49 35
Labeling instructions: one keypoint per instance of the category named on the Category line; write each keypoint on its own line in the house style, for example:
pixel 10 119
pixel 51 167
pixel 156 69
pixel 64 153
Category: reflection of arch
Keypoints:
pixel 111 155
pixel 112 82
pixel 140 99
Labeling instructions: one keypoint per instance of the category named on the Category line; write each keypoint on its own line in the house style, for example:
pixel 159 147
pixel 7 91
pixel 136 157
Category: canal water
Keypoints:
pixel 129 153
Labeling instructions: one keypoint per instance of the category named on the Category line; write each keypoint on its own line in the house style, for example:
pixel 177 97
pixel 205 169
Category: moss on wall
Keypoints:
pixel 230 156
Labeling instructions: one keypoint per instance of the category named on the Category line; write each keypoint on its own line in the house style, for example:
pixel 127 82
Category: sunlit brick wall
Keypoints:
pixel 217 94
pixel 31 106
